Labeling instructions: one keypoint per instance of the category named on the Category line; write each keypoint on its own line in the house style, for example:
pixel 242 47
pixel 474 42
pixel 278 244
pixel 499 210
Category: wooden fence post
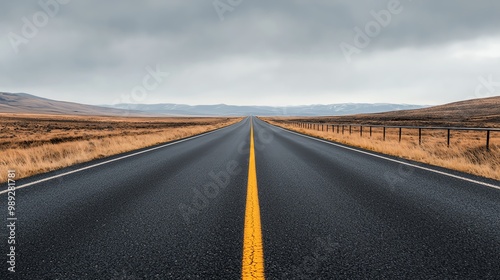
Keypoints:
pixel 487 140
pixel 448 137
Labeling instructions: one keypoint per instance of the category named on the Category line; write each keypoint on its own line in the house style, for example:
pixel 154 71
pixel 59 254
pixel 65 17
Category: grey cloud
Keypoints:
pixel 103 46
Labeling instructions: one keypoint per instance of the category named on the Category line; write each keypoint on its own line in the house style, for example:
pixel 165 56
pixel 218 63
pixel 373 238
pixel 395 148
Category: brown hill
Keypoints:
pixel 483 112
pixel 25 103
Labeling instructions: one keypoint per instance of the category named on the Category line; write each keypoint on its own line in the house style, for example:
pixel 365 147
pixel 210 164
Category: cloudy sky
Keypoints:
pixel 284 52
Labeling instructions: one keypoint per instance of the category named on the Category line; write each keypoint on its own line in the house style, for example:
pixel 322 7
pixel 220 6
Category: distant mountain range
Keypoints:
pixel 26 103
pixel 233 110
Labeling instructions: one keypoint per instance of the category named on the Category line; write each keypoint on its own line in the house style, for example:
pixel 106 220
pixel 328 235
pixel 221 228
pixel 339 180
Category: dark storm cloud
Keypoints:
pixel 103 47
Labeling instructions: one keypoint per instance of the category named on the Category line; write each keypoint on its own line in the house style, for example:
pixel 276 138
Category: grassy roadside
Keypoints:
pixel 467 155
pixel 32 144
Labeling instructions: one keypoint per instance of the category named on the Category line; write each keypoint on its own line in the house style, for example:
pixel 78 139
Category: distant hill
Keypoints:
pixel 476 112
pixel 482 112
pixel 27 103
pixel 233 110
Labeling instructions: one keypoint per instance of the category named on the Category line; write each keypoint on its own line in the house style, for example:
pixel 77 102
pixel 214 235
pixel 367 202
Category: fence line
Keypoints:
pixel 328 126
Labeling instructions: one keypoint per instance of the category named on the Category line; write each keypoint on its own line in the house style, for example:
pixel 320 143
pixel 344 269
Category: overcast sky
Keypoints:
pixel 244 52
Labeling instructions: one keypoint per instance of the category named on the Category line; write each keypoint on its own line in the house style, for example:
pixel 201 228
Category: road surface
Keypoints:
pixel 323 211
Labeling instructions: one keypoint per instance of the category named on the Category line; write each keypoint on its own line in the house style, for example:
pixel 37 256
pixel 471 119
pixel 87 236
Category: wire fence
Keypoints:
pixel 418 131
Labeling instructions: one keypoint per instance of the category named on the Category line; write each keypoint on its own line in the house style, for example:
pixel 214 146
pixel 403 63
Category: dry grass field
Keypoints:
pixel 32 144
pixel 466 153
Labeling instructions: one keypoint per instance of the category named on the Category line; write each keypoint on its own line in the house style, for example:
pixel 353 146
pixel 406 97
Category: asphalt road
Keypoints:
pixel 327 212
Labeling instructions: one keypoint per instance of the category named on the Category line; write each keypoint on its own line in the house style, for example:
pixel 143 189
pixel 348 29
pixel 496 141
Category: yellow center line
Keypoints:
pixel 253 251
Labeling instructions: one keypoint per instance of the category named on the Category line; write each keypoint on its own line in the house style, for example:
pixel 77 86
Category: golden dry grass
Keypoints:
pixel 466 153
pixel 33 144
